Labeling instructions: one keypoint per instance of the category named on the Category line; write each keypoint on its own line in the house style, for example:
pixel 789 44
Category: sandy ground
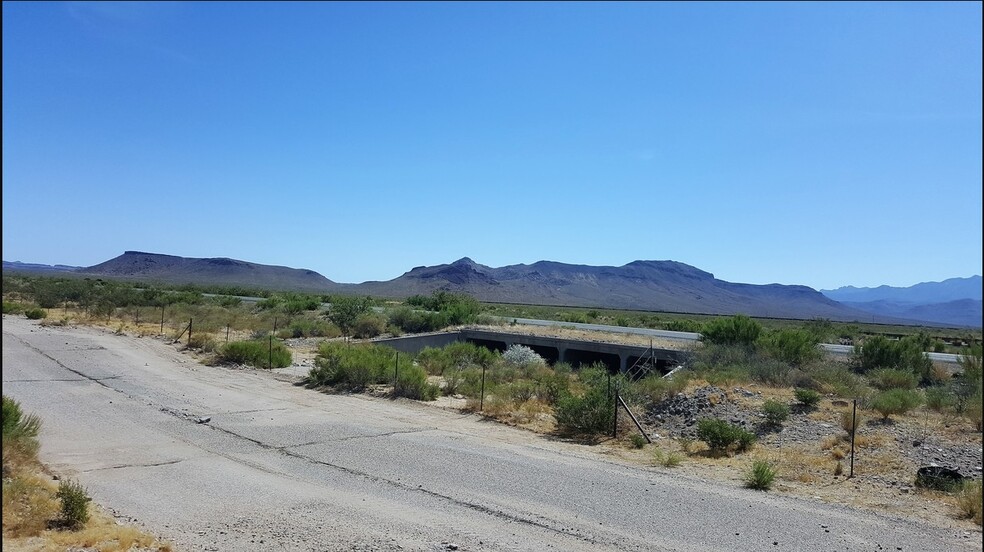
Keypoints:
pixel 214 458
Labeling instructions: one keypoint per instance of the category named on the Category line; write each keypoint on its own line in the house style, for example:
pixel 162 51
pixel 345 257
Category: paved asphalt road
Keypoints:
pixel 280 467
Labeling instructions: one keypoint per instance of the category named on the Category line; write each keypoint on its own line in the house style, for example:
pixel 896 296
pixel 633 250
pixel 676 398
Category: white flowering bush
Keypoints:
pixel 521 355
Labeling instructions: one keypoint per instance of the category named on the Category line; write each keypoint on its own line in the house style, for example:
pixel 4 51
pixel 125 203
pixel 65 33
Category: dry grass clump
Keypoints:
pixel 28 506
pixel 969 501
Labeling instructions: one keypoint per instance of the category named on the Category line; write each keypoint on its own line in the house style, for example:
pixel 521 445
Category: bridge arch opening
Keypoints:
pixel 578 358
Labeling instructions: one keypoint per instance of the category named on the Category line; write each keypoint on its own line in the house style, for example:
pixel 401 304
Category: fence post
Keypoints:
pixel 162 319
pixel 270 361
pixel 615 417
pixel 396 376
pixel 190 320
pixel 854 429
pixel 481 398
pixel 227 333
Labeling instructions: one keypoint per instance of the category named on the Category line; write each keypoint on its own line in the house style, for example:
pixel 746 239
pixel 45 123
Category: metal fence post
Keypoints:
pixel 615 417
pixel 162 319
pixel 396 376
pixel 854 429
pixel 190 320
pixel 481 399
pixel 270 361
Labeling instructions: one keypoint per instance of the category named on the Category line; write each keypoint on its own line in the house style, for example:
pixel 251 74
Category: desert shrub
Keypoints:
pixel 807 397
pixel 590 412
pixel 906 354
pixel 736 330
pixel 890 378
pixel 969 500
pixel 517 391
pixel 412 383
pixel 368 325
pixel 775 373
pixel 667 459
pixel 684 325
pixel 20 436
pixel 796 347
pixel 353 367
pixel 521 355
pixel 849 421
pixel 345 310
pixel 455 355
pixel 939 398
pixel 551 385
pixel 415 321
pixel 775 412
pixel 202 341
pixel 74 503
pixel 895 401
pixel 35 313
pixel 722 437
pixel 302 327
pixel 258 353
pixel 654 388
pixel 760 476
pixel 13 307
pixel 637 441
pixel 972 410
pixel 834 377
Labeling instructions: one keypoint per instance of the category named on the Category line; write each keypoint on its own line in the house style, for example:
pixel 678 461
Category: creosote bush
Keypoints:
pixel 74 503
pixel 760 476
pixel 895 401
pixel 20 437
pixel 637 441
pixel 591 412
pixel 969 500
pixel 35 314
pixel 775 412
pixel 256 353
pixel 807 397
pixel 354 367
pixel 722 437
pixel 412 383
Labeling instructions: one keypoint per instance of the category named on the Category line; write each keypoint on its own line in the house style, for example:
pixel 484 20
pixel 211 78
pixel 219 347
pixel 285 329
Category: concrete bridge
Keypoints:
pixel 554 349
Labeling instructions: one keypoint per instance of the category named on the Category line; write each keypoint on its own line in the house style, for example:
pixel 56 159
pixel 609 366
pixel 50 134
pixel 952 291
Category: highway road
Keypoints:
pixel 281 467
pixel 842 351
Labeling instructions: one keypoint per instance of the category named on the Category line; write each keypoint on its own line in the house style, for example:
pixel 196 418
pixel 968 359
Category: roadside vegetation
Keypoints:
pixel 889 375
pixel 44 516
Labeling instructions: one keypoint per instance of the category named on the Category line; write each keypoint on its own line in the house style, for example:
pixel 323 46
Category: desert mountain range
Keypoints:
pixel 667 286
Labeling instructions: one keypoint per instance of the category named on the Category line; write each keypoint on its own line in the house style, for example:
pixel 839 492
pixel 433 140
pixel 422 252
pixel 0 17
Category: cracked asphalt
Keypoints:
pixel 280 467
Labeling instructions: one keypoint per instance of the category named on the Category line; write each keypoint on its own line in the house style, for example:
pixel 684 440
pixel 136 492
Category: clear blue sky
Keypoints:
pixel 823 144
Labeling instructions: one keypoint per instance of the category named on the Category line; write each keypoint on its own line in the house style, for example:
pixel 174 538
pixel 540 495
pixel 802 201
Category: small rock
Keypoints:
pixel 203 420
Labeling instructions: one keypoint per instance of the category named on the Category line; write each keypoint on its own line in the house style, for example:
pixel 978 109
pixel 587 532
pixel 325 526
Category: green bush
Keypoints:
pixel 969 500
pixel 368 325
pixel 637 441
pixel 760 476
pixel 20 436
pixel 906 354
pixel 890 378
pixel 775 412
pixel 796 347
pixel 35 314
pixel 11 307
pixel 895 401
pixel 736 330
pixel 590 413
pixel 354 367
pixel 722 437
pixel 939 398
pixel 551 385
pixel 412 383
pixel 258 353
pixel 807 397
pixel 74 503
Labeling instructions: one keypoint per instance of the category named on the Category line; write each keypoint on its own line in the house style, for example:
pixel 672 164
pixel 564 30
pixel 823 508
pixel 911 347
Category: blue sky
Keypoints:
pixel 823 144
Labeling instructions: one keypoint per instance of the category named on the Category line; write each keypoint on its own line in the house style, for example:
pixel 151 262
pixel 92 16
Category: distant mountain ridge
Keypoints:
pixel 641 285
pixel 955 301
pixel 667 286
pixel 210 271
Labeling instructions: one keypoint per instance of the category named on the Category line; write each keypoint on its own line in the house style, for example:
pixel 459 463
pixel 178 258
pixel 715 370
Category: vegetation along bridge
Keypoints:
pixel 554 349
